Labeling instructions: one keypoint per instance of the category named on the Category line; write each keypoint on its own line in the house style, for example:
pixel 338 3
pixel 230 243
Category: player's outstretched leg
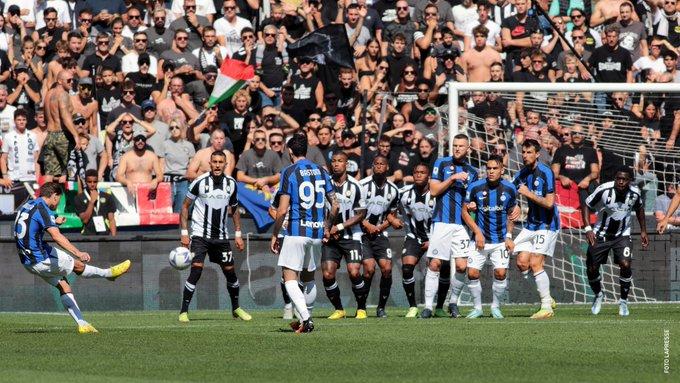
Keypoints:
pixel 113 272
pixel 189 289
pixel 385 286
pixel 234 289
pixel 70 304
pixel 287 305
pixel 443 289
pixel 625 281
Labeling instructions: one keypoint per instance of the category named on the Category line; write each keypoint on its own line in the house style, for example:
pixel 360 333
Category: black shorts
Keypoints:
pixel 377 248
pixel 218 251
pixel 412 248
pixel 335 251
pixel 597 254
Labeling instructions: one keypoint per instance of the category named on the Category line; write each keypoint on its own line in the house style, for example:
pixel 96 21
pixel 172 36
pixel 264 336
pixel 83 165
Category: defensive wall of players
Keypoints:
pixel 152 284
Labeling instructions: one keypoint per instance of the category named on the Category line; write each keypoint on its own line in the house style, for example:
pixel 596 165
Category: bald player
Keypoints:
pixel 201 161
pixel 61 131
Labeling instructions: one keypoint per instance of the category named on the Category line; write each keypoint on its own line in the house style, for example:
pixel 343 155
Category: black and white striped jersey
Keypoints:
pixel 417 208
pixel 613 209
pixel 379 200
pixel 212 197
pixel 352 199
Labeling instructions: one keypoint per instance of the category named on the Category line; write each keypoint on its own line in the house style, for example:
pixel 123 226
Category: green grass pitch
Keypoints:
pixel 574 346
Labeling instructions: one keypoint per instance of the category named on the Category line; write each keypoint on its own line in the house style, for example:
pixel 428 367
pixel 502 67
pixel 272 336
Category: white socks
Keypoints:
pixel 457 284
pixel 310 295
pixel 71 306
pixel 298 298
pixel 543 287
pixel 476 291
pixel 95 272
pixel 498 291
pixel 431 286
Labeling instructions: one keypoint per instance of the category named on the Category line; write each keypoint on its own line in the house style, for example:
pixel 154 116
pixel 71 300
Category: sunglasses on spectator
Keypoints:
pixel 423 90
pixel 314 119
pixel 246 37
pixel 50 19
pixel 409 72
pixel 128 92
pixel 141 40
pixel 79 122
pixel 229 8
pixel 402 8
pixel 567 134
pixel 270 35
pixel 537 61
pixel 181 38
pixel 126 122
pixel 39 47
pixel 103 42
pixel 85 20
pixel 669 2
pixel 272 143
pixel 187 7
pixel 432 112
pixel 210 76
pixel 618 98
pixel 159 18
pixel 576 16
pixel 134 17
pixel 175 127
pixel 69 80
pixel 578 37
pixel 260 139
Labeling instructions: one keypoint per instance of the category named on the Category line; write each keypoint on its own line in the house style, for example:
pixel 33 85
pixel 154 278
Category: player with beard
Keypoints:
pixel 345 235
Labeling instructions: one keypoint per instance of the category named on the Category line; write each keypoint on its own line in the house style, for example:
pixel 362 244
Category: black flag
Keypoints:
pixel 327 45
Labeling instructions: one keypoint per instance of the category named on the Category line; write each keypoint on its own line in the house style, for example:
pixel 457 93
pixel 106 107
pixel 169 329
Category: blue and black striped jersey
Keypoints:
pixel 540 181
pixel 33 219
pixel 494 202
pixel 307 184
pixel 449 205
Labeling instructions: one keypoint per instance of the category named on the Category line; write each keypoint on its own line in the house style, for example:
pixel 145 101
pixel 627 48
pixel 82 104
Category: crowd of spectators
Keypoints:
pixel 128 83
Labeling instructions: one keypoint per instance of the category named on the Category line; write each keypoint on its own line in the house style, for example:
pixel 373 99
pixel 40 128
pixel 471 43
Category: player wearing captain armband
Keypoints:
pixel 536 182
pixel 494 198
pixel 614 201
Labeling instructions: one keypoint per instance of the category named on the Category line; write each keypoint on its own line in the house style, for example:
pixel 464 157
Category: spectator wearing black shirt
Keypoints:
pixel 237 121
pixel 50 33
pixel 144 81
pixel 515 34
pixel 96 209
pixel 102 58
pixel 611 62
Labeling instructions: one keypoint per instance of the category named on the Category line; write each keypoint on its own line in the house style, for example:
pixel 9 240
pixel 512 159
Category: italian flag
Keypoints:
pixel 232 77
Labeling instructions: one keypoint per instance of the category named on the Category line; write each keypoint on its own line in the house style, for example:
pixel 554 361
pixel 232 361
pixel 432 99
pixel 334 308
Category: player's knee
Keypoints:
pixel 407 271
pixel 499 274
pixel 472 274
pixel 625 270
pixel 445 270
pixel 386 272
pixel 522 265
pixel 328 275
pixel 435 264
pixel 228 269
pixel 197 265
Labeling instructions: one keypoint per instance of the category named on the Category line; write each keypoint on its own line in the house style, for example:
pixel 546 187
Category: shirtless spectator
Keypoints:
pixel 259 166
pixel 85 105
pixel 40 129
pixel 139 166
pixel 61 131
pixel 607 12
pixel 201 161
pixel 119 138
pixel 477 61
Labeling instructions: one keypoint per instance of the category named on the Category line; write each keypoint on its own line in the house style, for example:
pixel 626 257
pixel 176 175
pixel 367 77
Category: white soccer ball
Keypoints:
pixel 180 258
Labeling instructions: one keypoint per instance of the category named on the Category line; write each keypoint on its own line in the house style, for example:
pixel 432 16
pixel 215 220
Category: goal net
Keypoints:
pixel 499 116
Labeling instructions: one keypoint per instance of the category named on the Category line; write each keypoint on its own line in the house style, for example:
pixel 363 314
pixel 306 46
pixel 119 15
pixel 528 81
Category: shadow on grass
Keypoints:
pixel 39 331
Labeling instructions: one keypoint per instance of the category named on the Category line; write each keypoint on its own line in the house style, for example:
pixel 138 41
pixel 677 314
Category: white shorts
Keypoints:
pixel 500 259
pixel 53 269
pixel 536 241
pixel 449 240
pixel 298 253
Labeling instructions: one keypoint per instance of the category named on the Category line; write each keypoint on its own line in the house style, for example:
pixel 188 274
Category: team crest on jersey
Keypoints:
pixel 206 188
pixel 431 203
pixel 102 200
pixel 484 193
pixel 536 183
pixel 348 193
pixel 503 197
pixel 228 189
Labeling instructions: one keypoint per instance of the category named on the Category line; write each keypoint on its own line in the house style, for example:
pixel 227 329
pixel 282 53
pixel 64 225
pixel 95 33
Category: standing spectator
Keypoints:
pixel 592 38
pixel 96 209
pixel 259 166
pixel 19 159
pixel 160 37
pixel 186 64
pixel 177 154
pixel 49 32
pixel 667 22
pixel 271 60
pixel 85 105
pixel 84 25
pixel 144 79
pixel 139 166
pixel 402 25
pixel 119 138
pixel 238 120
pixel 464 14
pixel 127 103
pixel 477 60
pixel 201 161
pixel 102 58
pixel 203 8
pixel 95 153
pixel 309 90
pixel 133 23
pixel 229 27
pixel 130 64
pixel 109 94
pixel 632 34
pixel 192 24
pixel 24 91
pixel 6 111
pixel 155 141
pixel 210 53
pixel 106 11
pixel 576 165
pixel 493 38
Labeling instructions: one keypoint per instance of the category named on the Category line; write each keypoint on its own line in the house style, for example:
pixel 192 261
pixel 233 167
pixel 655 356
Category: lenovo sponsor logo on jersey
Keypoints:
pixel 311 224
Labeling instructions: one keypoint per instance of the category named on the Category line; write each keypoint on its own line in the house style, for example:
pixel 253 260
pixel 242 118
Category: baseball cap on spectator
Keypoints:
pixel 14 10
pixel 21 67
pixel 140 136
pixel 348 134
pixel 168 65
pixel 78 117
pixel 430 110
pixel 449 53
pixel 607 113
pixel 210 69
pixel 85 81
pixel 148 105
pixel 144 58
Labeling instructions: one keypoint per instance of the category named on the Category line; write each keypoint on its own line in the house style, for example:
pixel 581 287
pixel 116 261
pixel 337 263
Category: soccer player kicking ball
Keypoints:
pixel 213 196
pixel 449 237
pixel 345 236
pixel 53 264
pixel 536 182
pixel 614 201
pixel 417 205
pixel 304 189
pixel 494 199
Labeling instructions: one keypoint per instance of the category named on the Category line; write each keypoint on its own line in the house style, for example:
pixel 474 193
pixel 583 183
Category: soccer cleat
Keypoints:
pixel 295 325
pixel 440 313
pixel 361 314
pixel 306 326
pixel 380 312
pixel 623 308
pixel 496 313
pixel 87 329
pixel 426 314
pixel 453 309
pixel 412 312
pixel 474 314
pixel 241 313
pixel 119 269
pixel 337 314
pixel 597 303
pixel 553 304
pixel 543 314
pixel 183 317
pixel 288 311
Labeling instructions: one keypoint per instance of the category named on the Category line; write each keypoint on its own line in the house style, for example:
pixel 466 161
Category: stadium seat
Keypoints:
pixel 155 208
pixel 568 206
